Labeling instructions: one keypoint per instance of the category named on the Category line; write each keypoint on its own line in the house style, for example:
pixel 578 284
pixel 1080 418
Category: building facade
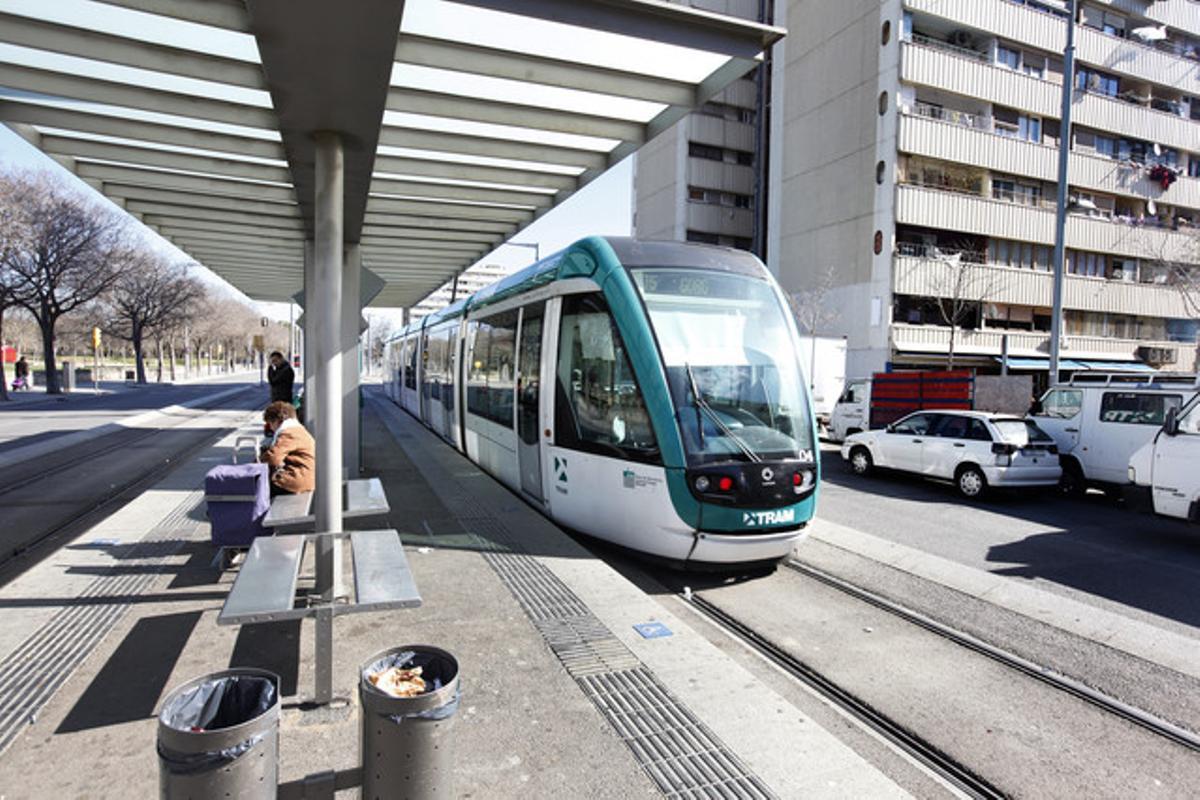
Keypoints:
pixel 701 180
pixel 469 282
pixel 915 168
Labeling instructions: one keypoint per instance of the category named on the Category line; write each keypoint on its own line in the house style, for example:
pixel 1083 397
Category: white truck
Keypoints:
pixel 824 361
pixel 1098 421
pixel 1165 467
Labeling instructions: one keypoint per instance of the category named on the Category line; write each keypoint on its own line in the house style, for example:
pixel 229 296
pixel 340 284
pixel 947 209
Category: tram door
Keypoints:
pixel 529 361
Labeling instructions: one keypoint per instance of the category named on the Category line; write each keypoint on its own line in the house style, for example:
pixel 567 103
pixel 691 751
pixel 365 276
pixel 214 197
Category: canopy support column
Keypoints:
pixel 351 315
pixel 310 355
pixel 325 305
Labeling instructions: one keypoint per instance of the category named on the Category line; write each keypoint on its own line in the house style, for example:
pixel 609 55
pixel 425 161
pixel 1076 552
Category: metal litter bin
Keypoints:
pixel 407 741
pixel 218 737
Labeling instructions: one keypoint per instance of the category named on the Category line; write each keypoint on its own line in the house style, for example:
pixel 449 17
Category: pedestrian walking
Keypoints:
pixel 281 378
pixel 21 381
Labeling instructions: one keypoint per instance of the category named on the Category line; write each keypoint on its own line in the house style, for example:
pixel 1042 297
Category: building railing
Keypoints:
pixel 1126 98
pixel 989 341
pixel 1043 203
pixel 951 116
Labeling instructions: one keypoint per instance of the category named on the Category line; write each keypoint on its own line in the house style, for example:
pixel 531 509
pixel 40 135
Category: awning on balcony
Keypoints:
pixel 1043 364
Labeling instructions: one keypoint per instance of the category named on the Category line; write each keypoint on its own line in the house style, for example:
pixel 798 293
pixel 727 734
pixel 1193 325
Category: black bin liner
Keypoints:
pixel 220 703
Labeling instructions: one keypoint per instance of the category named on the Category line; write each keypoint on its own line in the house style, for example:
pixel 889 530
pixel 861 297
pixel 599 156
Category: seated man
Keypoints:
pixel 291 455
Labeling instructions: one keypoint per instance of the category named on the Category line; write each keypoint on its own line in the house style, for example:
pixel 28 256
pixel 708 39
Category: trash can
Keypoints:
pixel 218 737
pixel 407 742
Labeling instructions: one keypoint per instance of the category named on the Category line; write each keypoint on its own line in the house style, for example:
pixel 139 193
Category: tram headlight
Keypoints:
pixel 702 483
pixel 802 481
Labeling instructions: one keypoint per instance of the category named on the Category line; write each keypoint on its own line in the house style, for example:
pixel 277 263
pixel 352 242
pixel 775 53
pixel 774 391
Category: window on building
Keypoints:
pixel 1008 57
pixel 1104 21
pixel 1090 80
pixel 490 382
pixel 1013 191
pixel 745 158
pixel 707 151
pixel 1193 167
pixel 703 237
pixel 1089 265
pixel 598 405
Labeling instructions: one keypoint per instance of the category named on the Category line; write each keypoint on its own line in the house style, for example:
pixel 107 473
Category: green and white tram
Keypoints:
pixel 646 393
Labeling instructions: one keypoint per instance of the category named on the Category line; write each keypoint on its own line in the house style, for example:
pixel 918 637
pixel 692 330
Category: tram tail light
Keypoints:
pixel 725 483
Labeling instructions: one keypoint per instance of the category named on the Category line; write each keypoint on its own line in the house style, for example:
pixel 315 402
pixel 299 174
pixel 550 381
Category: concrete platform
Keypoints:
pixel 562 697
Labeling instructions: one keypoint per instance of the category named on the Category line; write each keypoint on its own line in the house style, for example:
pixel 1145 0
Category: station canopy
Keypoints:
pixel 461 122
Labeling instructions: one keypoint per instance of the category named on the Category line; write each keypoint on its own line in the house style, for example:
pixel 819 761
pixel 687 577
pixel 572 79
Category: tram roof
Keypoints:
pixel 462 122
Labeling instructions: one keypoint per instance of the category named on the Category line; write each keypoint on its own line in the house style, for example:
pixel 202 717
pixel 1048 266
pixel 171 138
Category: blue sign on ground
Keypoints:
pixel 652 630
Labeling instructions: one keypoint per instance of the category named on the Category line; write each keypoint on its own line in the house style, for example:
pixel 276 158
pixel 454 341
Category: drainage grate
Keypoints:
pixel 674 748
pixel 31 674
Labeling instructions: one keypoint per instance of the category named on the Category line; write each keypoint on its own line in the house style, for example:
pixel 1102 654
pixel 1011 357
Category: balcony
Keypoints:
pixel 926 277
pixel 971 213
pixel 925 63
pixel 1047 32
pixel 967 139
pixel 1035 344
pixel 722 220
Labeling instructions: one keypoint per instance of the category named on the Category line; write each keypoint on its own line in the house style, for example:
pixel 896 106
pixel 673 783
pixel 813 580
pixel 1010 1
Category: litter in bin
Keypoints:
pixel 398 682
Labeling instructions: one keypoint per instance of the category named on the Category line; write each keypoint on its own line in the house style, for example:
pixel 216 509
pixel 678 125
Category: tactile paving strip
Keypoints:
pixel 675 749
pixel 32 673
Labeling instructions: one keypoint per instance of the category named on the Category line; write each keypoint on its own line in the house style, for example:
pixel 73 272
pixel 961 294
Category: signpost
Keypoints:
pixel 259 345
pixel 96 360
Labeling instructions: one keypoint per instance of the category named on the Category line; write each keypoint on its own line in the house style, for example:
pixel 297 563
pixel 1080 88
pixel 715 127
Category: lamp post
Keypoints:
pixel 1060 210
pixel 534 245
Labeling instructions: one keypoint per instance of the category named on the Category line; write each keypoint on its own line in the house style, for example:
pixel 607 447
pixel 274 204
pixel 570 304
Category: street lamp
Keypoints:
pixel 1060 210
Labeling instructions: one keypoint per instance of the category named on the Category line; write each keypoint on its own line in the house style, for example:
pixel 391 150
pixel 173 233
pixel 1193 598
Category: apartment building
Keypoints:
pixel 919 161
pixel 469 282
pixel 701 180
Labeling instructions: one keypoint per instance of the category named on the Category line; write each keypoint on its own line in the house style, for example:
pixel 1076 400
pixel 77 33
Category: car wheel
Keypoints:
pixel 860 461
pixel 1072 482
pixel 971 482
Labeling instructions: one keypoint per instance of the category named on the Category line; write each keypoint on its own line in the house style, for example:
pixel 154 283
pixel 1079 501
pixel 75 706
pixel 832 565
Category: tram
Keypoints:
pixel 646 393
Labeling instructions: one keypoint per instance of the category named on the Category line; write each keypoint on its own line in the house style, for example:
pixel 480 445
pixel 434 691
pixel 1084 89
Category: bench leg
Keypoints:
pixel 323 642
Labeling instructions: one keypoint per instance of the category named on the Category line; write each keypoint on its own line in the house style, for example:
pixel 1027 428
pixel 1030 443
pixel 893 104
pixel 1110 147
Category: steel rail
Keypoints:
pixel 1137 716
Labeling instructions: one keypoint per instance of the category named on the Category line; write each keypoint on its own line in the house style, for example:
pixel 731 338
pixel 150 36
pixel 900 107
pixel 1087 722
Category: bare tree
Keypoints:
pixel 147 297
pixel 65 260
pixel 813 312
pixel 13 233
pixel 957 288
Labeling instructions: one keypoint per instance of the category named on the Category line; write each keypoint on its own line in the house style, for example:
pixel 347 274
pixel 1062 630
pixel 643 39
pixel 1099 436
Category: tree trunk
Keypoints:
pixel 950 355
pixel 158 376
pixel 171 357
pixel 52 385
pixel 3 377
pixel 138 364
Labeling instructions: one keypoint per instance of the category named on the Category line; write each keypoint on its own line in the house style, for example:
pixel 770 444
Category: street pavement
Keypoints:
pixel 33 417
pixel 1093 549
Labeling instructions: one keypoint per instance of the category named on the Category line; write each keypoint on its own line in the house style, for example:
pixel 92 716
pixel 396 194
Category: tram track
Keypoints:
pixel 117 494
pixel 935 759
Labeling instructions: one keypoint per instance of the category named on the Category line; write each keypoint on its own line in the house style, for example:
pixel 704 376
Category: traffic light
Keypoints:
pixel 95 338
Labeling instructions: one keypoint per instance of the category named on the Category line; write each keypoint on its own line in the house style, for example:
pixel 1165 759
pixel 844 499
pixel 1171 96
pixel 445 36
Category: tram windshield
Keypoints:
pixel 731 364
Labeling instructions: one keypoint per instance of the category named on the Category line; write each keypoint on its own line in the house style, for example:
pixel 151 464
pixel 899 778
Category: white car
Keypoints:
pixel 973 449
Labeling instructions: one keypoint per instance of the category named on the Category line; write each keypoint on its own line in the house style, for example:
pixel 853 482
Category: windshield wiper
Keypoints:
pixel 702 405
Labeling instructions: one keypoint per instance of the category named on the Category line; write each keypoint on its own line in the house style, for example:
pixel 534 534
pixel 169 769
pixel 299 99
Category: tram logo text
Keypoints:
pixel 753 519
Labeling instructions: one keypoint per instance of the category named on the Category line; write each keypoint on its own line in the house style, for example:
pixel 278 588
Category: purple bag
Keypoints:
pixel 238 497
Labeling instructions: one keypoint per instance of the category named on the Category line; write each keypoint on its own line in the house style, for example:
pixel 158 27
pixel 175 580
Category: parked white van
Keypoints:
pixel 1166 466
pixel 1100 420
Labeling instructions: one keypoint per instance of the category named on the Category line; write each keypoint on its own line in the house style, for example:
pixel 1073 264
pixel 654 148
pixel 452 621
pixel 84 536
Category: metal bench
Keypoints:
pixel 362 497
pixel 265 589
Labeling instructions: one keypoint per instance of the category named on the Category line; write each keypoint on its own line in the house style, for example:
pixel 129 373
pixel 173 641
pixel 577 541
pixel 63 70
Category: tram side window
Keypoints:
pixel 598 403
pixel 432 359
pixel 490 379
pixel 410 363
pixel 450 367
